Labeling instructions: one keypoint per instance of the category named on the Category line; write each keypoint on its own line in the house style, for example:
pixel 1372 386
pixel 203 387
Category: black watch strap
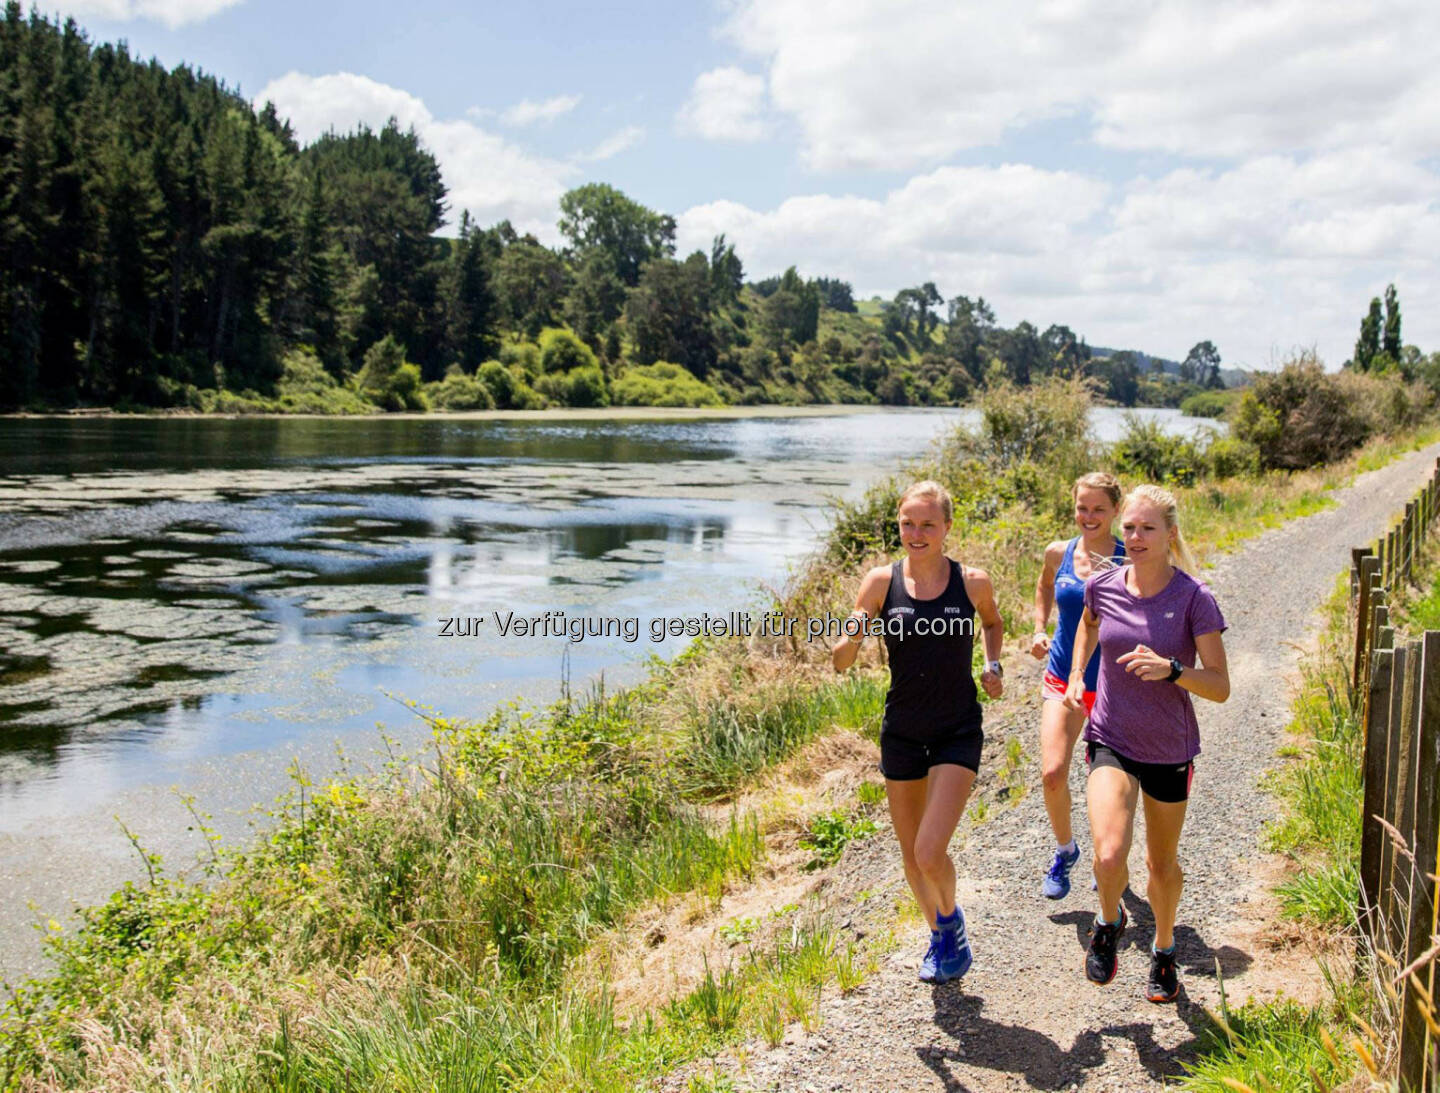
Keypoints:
pixel 1175 669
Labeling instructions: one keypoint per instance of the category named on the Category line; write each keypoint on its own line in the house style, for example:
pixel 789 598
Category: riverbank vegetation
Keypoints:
pixel 168 246
pixel 438 921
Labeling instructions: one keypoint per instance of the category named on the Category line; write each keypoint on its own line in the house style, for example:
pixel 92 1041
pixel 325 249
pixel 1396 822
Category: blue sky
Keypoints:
pixel 1150 174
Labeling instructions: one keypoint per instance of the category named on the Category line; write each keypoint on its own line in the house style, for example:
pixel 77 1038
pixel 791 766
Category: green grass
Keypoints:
pixel 1322 788
pixel 465 893
pixel 1283 1046
pixel 1277 1048
pixel 830 833
pixel 1280 1047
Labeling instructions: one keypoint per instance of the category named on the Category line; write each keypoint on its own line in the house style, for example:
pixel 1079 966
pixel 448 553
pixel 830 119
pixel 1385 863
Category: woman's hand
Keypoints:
pixel 1144 662
pixel 1075 694
pixel 1040 645
pixel 993 684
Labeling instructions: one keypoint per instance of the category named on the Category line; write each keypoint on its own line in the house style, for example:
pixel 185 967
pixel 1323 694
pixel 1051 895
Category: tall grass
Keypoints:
pixel 1323 790
pixel 420 910
pixel 1283 1046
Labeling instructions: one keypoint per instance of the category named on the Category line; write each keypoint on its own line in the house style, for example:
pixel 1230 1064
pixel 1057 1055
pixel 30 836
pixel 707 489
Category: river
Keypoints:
pixel 191 604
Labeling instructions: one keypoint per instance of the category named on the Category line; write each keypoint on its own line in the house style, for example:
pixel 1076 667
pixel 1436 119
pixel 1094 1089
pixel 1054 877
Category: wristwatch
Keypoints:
pixel 996 667
pixel 1175 669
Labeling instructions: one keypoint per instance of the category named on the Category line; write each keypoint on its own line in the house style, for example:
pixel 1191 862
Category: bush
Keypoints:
pixel 524 357
pixel 1231 457
pixel 387 380
pixel 1036 423
pixel 562 351
pixel 457 391
pixel 508 389
pixel 1210 403
pixel 1384 400
pixel 306 387
pixel 1146 451
pixel 581 387
pixel 662 384
pixel 1300 416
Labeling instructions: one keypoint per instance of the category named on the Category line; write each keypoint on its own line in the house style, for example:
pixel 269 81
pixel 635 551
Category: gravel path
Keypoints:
pixel 1025 1017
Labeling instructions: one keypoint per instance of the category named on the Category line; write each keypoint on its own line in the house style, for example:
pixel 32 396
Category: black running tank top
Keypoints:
pixel 930 642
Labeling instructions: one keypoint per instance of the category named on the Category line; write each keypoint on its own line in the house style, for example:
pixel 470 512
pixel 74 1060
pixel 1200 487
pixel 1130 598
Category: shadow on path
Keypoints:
pixel 1017 1049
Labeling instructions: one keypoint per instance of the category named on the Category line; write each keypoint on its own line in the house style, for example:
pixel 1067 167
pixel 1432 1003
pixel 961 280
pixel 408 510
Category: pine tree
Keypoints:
pixel 1367 347
pixel 1391 341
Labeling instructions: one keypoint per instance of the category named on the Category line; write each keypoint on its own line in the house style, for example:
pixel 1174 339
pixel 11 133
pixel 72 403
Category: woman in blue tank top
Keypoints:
pixel 1068 565
pixel 925 606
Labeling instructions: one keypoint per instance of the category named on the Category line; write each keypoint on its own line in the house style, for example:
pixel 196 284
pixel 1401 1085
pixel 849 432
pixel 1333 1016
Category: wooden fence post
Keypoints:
pixel 1379 620
pixel 1362 555
pixel 1414 1030
pixel 1409 534
pixel 1402 811
pixel 1372 836
pixel 1389 801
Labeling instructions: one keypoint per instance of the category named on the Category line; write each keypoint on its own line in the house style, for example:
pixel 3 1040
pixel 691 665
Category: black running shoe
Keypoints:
pixel 1164 985
pixel 1100 962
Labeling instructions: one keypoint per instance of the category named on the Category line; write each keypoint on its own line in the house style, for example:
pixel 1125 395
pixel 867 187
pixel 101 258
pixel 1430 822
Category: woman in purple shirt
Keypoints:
pixel 1150 620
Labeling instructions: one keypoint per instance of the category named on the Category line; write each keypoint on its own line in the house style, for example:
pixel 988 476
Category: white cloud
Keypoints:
pixel 897 83
pixel 725 104
pixel 1273 254
pixel 173 13
pixel 485 174
pixel 526 112
pixel 616 143
pixel 932 228
pixel 1310 128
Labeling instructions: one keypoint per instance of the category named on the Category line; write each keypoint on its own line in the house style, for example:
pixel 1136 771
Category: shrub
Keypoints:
pixel 1300 416
pixel 387 380
pixel 1231 457
pixel 457 391
pixel 1384 400
pixel 508 388
pixel 662 384
pixel 1210 403
pixel 1146 451
pixel 562 351
pixel 306 387
pixel 1037 423
pixel 524 356
pixel 580 387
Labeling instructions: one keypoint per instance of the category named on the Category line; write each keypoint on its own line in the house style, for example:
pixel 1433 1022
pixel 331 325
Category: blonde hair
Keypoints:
pixel 1164 500
pixel 929 490
pixel 1098 480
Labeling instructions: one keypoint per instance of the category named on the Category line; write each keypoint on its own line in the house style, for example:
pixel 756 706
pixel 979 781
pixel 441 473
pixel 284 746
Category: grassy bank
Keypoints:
pixel 422 929
pixel 1350 1037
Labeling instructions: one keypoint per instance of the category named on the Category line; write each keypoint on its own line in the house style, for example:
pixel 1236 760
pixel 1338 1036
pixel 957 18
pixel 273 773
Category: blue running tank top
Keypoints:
pixel 1070 603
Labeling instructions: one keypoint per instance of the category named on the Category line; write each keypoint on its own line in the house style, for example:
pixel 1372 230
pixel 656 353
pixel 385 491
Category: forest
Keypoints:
pixel 165 244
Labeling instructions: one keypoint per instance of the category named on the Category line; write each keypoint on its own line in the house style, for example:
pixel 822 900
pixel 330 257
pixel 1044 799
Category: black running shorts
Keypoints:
pixel 1168 783
pixel 906 760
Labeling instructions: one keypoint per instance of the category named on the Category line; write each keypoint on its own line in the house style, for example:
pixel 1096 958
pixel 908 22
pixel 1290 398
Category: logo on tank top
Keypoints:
pixel 953 611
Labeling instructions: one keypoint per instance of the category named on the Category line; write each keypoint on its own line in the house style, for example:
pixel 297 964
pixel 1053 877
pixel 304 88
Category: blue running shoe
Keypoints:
pixel 929 963
pixel 1057 878
pixel 955 953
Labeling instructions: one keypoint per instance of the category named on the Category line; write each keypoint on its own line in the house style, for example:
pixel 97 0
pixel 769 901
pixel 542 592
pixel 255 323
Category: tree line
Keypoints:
pixel 165 243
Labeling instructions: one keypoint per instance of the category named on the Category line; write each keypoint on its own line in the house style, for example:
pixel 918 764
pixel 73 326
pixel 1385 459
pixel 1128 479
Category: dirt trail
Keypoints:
pixel 1025 1017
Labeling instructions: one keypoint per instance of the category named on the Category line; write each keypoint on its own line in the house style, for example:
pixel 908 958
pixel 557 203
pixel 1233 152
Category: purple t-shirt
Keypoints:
pixel 1149 721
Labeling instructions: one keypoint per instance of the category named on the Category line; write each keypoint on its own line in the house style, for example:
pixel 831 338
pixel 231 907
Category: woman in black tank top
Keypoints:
pixel 930 741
